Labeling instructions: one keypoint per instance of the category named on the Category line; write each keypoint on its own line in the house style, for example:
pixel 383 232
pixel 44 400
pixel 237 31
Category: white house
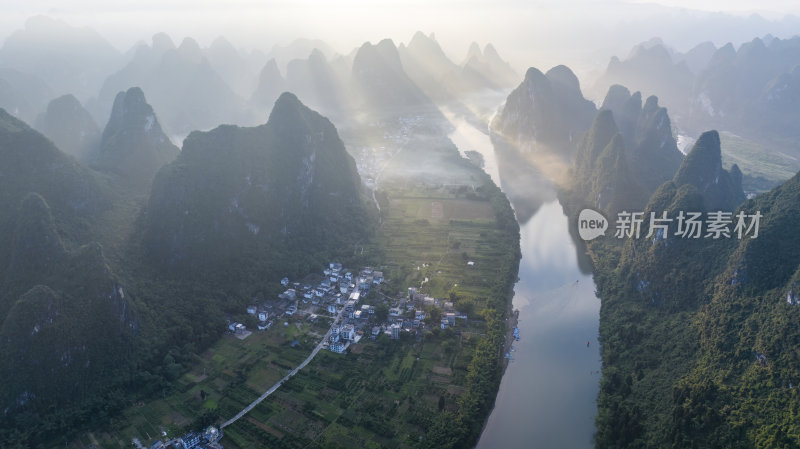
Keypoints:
pixel 337 347
pixel 285 282
pixel 348 332
pixel 263 315
pixel 251 310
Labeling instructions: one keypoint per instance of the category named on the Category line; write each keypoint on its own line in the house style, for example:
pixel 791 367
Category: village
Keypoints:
pixel 341 292
pixel 207 439
pixel 340 295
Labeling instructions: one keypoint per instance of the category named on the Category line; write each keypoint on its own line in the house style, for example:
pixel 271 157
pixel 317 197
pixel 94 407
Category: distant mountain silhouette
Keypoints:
pixel 68 59
pixel 180 83
pixel 70 127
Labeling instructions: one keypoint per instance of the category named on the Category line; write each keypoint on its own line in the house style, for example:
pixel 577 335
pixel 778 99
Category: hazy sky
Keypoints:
pixel 527 32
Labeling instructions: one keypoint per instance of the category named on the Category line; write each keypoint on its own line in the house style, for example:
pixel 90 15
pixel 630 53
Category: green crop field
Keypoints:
pixel 223 380
pixel 456 242
pixel 386 393
pixel 763 168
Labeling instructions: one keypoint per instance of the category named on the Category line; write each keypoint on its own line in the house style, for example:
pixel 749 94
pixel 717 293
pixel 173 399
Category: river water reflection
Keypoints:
pixel 547 397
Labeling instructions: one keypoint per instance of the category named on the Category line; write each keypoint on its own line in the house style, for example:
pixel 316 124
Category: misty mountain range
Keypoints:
pixel 95 266
pixel 747 90
pixel 194 88
pixel 103 215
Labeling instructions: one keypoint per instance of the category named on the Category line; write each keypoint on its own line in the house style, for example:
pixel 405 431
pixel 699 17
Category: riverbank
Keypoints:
pixel 512 320
pixel 554 304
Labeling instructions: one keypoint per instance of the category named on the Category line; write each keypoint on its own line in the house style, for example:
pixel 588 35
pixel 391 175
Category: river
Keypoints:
pixel 548 394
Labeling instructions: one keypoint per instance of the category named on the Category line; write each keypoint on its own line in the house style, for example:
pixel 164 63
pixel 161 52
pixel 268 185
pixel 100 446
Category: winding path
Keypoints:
pixel 285 378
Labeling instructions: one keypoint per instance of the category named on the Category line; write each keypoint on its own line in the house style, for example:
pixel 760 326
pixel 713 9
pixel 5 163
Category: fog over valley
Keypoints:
pixel 451 224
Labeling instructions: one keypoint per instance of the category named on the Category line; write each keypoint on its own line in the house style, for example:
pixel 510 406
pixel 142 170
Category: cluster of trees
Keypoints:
pixel 699 338
pixel 463 427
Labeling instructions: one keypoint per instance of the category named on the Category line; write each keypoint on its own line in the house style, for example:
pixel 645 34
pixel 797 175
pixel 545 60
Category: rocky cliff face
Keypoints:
pixel 702 168
pixel 601 175
pixel 535 135
pixel 547 112
pixel 242 199
pixel 133 145
pixel 652 154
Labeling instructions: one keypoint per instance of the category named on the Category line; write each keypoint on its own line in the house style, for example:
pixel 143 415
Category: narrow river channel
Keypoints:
pixel 548 394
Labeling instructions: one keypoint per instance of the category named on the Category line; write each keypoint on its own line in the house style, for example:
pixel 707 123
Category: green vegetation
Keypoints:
pixel 652 153
pixel 433 391
pixel 128 345
pixel 133 145
pixel 763 168
pixel 125 331
pixel 287 188
pixel 698 341
pixel 221 381
pixel 602 175
pixel 438 386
